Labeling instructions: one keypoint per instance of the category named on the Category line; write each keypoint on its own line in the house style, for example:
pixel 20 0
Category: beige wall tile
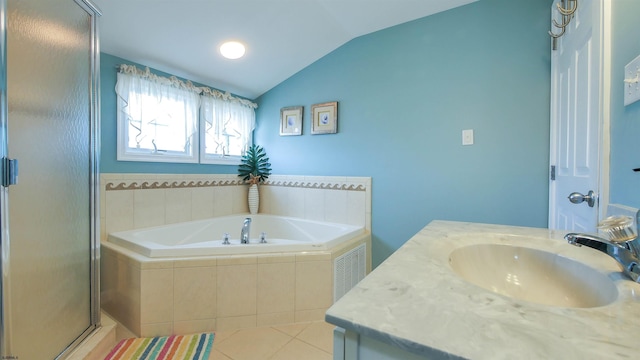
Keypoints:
pixel 356 203
pixel 240 198
pixel 235 322
pixel 177 205
pixel 195 262
pixel 314 282
pixel 279 200
pixel 222 201
pixel 148 208
pixel 202 201
pixel 276 288
pixel 335 207
pixel 124 289
pixel 157 329
pixel 314 204
pixel 194 293
pixel 152 264
pixel 108 277
pixel 266 199
pixel 194 326
pixel 156 294
pixel 296 203
pixel 237 260
pixel 236 292
pixel 275 318
pixel 276 258
pixel 118 210
pixel 310 315
pixel 313 256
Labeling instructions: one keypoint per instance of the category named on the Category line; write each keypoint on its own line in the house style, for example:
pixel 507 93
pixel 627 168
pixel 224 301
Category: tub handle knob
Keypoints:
pixel 263 237
pixel 225 239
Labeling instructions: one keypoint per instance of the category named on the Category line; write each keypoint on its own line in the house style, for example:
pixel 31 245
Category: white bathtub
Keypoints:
pixel 204 237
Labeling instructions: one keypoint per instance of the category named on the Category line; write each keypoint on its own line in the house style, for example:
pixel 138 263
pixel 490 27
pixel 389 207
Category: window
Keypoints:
pixel 167 120
pixel 227 128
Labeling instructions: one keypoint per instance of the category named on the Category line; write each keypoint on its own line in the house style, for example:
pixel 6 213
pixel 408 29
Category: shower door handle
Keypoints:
pixel 9 172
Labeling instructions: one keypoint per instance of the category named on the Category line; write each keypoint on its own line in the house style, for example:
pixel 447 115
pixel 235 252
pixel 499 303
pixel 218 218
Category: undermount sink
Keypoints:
pixel 533 275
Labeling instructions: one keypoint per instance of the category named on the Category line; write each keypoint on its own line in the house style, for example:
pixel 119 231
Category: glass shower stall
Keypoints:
pixel 49 109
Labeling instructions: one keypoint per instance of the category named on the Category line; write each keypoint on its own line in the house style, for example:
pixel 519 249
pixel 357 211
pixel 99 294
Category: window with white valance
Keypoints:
pixel 167 120
pixel 227 128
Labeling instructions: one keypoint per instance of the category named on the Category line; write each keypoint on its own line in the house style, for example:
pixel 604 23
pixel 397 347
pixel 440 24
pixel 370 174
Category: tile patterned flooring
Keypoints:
pixel 309 341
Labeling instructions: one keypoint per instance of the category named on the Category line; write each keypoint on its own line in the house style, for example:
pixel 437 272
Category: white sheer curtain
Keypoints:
pixel 162 119
pixel 157 116
pixel 227 126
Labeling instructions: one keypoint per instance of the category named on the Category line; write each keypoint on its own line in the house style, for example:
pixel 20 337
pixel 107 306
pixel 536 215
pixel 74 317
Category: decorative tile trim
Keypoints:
pixel 115 186
pixel 315 185
pixel 111 186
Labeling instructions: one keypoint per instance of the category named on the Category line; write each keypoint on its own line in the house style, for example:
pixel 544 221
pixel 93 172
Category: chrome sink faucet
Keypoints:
pixel 246 229
pixel 626 253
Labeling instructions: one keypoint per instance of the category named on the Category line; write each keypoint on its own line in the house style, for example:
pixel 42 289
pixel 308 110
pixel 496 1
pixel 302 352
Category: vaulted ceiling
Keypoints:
pixel 282 37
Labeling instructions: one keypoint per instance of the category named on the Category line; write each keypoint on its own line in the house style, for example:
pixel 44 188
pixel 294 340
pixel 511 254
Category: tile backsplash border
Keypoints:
pixel 133 201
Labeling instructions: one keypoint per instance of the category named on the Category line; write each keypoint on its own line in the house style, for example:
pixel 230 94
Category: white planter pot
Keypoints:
pixel 254 199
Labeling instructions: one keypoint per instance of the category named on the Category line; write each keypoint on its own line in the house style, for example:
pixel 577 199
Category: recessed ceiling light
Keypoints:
pixel 232 50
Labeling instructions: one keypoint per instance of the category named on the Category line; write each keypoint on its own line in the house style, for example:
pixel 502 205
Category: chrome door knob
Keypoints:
pixel 577 198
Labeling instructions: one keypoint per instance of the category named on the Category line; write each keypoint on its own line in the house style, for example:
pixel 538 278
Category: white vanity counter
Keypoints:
pixel 415 302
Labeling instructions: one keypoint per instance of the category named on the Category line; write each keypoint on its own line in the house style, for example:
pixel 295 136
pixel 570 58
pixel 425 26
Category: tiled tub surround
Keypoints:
pixel 181 295
pixel 185 295
pixel 136 201
pixel 415 305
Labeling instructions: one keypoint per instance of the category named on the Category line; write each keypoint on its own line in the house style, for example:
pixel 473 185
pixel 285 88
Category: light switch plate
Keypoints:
pixel 467 137
pixel 632 82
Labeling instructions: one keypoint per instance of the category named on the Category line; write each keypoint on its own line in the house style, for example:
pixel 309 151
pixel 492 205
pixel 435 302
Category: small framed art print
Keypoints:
pixel 291 121
pixel 324 118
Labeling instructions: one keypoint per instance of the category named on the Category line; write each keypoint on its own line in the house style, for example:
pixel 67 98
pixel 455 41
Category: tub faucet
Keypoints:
pixel 626 253
pixel 246 229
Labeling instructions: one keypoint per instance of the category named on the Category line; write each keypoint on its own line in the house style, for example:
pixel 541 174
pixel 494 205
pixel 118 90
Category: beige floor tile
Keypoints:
pixel 250 344
pixel 318 334
pixel 292 329
pixel 296 350
pixel 222 336
pixel 217 355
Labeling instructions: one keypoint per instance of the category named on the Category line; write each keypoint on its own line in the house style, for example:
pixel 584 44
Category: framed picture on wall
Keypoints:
pixel 324 118
pixel 291 121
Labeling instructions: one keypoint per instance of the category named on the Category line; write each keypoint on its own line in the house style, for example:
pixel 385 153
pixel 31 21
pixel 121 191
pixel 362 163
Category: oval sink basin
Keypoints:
pixel 533 275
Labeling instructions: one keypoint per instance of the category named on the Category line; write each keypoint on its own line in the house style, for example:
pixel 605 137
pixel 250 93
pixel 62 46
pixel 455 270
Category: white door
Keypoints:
pixel 576 116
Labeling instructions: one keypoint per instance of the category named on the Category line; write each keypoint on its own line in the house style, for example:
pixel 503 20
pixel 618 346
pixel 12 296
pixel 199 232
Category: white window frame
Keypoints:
pixel 247 125
pixel 197 152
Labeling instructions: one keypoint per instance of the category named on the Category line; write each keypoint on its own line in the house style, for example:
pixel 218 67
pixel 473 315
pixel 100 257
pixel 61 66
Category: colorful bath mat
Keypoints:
pixel 174 347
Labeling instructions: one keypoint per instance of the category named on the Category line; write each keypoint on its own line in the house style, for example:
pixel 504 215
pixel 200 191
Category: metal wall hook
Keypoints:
pixel 555 36
pixel 564 11
pixel 565 21
pixel 567 15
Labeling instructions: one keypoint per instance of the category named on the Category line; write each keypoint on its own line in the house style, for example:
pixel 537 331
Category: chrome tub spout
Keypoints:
pixel 246 229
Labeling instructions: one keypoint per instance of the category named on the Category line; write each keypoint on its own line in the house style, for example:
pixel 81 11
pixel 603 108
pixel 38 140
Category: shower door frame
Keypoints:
pixel 94 206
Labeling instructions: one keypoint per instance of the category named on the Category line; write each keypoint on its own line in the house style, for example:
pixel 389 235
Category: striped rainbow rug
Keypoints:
pixel 174 347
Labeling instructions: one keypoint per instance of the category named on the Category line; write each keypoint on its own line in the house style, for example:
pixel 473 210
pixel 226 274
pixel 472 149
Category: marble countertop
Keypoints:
pixel 415 301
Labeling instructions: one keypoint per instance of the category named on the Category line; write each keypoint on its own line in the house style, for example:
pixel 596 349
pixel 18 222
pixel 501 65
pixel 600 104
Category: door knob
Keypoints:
pixel 577 198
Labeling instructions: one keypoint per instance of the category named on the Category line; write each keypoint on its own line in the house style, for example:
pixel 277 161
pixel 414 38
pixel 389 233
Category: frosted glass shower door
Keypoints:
pixel 49 92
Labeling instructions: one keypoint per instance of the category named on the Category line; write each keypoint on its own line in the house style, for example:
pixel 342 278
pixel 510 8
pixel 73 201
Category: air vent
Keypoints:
pixel 348 270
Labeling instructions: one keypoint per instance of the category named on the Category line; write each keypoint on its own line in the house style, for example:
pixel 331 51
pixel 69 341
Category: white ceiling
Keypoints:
pixel 182 37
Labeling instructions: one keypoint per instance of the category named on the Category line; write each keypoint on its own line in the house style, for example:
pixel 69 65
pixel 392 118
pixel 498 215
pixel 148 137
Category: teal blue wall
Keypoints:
pixel 108 128
pixel 625 120
pixel 406 93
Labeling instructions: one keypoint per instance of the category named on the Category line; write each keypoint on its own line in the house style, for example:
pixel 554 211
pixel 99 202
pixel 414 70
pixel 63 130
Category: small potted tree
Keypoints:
pixel 254 169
